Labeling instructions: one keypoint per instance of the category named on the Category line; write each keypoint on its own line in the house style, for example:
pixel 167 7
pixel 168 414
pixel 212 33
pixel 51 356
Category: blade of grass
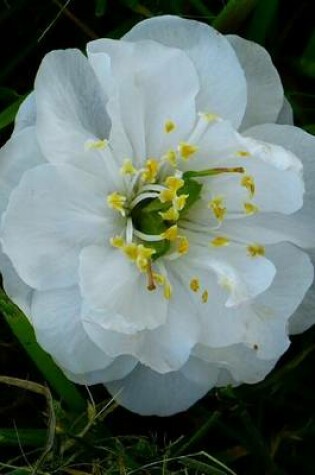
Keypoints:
pixel 234 15
pixel 28 437
pixel 25 334
pixel 199 434
pixel 203 9
pixel 263 19
pixel 8 114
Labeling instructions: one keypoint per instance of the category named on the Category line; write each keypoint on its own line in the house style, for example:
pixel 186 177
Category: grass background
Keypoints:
pixel 46 425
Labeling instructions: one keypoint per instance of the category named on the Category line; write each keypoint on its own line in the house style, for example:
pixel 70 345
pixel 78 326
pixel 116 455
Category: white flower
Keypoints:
pixel 155 248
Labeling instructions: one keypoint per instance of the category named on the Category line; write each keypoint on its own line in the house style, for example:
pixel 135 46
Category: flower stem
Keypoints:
pixel 23 330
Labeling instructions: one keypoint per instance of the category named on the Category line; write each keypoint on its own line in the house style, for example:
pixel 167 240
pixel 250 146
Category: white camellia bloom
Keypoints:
pixel 154 210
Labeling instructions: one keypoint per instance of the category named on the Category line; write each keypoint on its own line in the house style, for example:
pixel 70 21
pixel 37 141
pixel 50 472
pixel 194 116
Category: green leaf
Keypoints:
pixel 25 334
pixel 7 116
pixel 233 15
pixel 263 19
pixel 203 9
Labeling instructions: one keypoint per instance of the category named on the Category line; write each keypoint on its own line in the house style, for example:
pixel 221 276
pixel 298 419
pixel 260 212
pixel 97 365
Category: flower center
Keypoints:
pixel 158 197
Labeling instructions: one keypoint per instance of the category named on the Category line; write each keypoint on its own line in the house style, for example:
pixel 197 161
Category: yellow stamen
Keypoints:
pixel 250 208
pixel 117 241
pixel 151 170
pixel 242 153
pixel 248 182
pixel 159 278
pixel 194 285
pixel 95 144
pixel 117 201
pixel 170 215
pixel 220 241
pixel 209 117
pixel 182 245
pixel 255 250
pixel 218 208
pixel 171 158
pixel 171 233
pixel 127 168
pixel 180 201
pixel 205 296
pixel 187 150
pixel 167 195
pixel 144 255
pixel 174 183
pixel 131 251
pixel 169 126
pixel 167 290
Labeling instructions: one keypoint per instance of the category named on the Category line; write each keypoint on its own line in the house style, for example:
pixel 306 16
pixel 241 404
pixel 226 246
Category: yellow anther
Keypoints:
pixel 174 183
pixel 170 215
pixel 180 201
pixel 144 255
pixel 131 251
pixel 250 208
pixel 95 144
pixel 171 233
pixel 248 182
pixel 218 208
pixel 194 285
pixel 167 290
pixel 159 278
pixel 171 158
pixel 187 150
pixel 117 201
pixel 117 241
pixel 182 245
pixel 127 168
pixel 167 195
pixel 242 153
pixel 169 126
pixel 255 250
pixel 208 116
pixel 205 296
pixel 220 241
pixel 151 170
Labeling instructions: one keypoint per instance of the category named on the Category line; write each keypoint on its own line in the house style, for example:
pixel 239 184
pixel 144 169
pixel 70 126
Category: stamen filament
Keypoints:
pixel 148 237
pixel 143 196
pixel 212 172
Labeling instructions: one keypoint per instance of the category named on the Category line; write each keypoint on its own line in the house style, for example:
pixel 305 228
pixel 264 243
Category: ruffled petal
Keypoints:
pixel 15 288
pixel 57 210
pixel 71 110
pixel 26 115
pixel 285 116
pixel 234 364
pixel 149 393
pixel 163 349
pixel 117 292
pixel 155 88
pixel 302 145
pixel 222 83
pixel 56 317
pixel 264 88
pixel 18 155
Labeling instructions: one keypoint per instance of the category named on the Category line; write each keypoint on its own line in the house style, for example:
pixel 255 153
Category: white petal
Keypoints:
pixel 153 84
pixel 264 88
pixel 19 154
pixel 149 393
pixel 70 109
pixel 163 349
pixel 58 327
pixel 112 286
pixel 15 288
pixel 285 116
pixel 26 115
pixel 241 363
pixel 302 145
pixel 52 214
pixel 119 368
pixel 222 81
pixel 294 276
